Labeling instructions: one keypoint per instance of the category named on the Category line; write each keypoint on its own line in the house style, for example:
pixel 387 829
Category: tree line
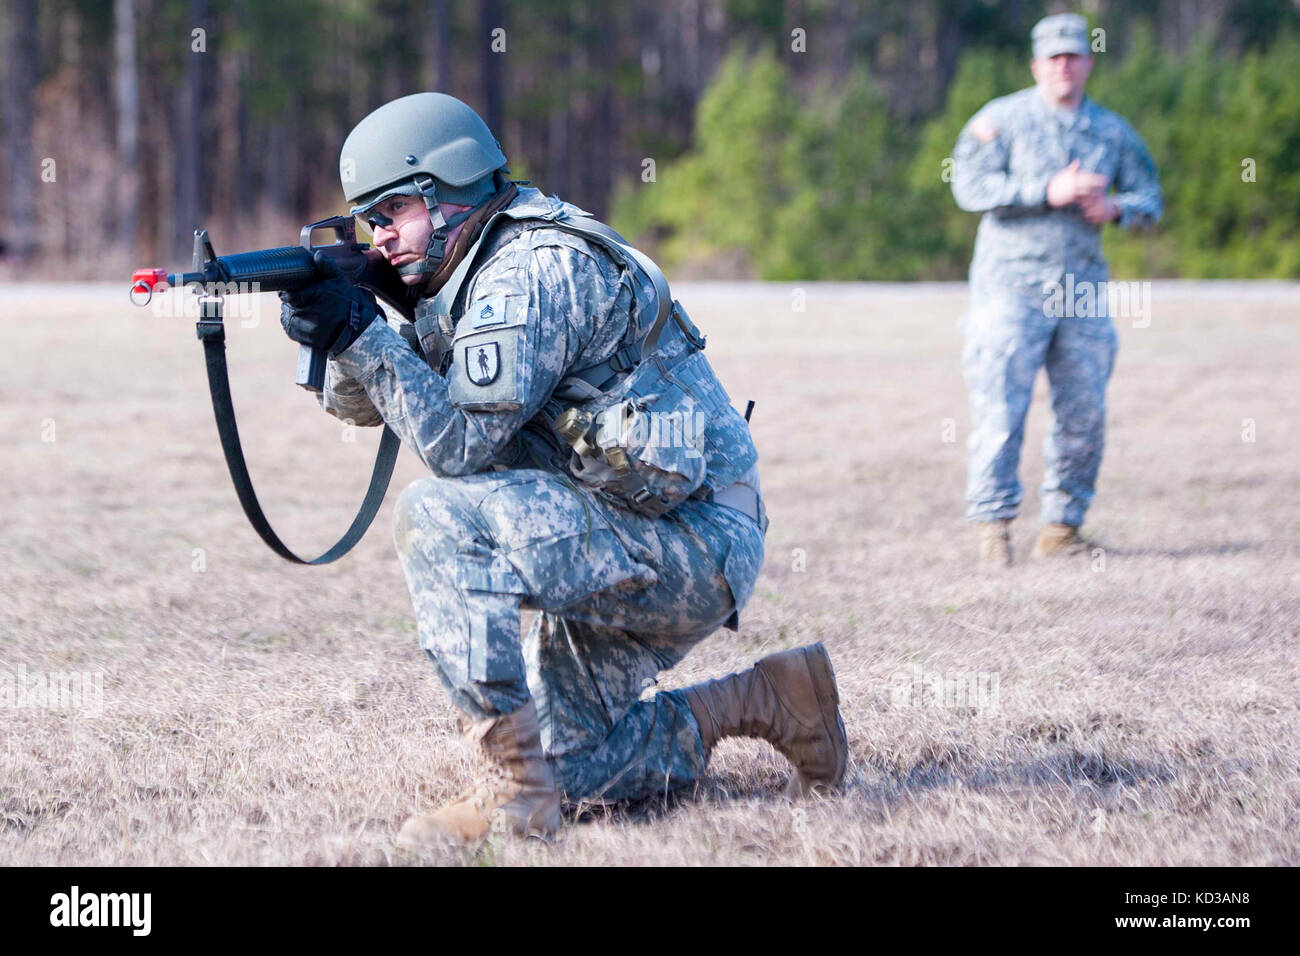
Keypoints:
pixel 768 138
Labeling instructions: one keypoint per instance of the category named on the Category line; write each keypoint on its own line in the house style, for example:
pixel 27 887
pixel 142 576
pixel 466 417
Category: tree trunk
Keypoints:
pixel 21 67
pixel 494 65
pixel 437 53
pixel 189 152
pixel 602 185
pixel 232 205
pixel 128 125
pixel 559 107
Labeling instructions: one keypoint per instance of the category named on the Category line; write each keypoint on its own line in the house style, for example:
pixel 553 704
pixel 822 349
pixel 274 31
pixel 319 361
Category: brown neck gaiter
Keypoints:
pixel 468 235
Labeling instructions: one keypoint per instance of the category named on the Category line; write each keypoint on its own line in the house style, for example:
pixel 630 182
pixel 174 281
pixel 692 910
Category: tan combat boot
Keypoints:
pixel 519 790
pixel 788 699
pixel 995 543
pixel 1059 539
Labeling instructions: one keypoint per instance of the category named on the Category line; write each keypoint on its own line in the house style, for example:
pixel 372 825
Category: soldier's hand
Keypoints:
pixel 983 130
pixel 1098 208
pixel 1073 184
pixel 328 313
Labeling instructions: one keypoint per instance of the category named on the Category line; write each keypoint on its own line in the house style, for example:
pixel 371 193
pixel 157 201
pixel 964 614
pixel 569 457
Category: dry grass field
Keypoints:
pixel 1138 706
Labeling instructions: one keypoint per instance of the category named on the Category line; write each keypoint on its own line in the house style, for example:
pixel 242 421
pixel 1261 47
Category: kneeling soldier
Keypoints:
pixel 524 391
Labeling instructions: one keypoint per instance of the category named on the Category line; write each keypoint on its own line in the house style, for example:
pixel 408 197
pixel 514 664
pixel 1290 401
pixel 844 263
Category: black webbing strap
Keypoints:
pixel 212 333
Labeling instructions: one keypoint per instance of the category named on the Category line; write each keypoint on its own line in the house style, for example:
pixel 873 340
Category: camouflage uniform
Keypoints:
pixel 504 526
pixel 1023 247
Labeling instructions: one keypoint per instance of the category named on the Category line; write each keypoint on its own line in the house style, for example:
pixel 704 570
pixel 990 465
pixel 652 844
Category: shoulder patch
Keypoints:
pixel 483 362
pixel 490 366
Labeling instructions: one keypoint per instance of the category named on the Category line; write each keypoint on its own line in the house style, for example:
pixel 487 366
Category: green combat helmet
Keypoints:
pixel 426 144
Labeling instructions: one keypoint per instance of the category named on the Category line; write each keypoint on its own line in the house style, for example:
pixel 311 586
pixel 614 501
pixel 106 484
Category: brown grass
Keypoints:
pixel 259 713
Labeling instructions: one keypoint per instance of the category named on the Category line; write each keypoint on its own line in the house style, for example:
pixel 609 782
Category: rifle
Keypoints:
pixel 276 270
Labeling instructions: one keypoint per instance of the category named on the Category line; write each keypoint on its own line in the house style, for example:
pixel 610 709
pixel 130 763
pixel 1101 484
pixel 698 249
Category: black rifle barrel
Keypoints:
pixel 272 270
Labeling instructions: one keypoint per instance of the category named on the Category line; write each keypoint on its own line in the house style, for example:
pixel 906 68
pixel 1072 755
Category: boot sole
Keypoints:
pixel 818 661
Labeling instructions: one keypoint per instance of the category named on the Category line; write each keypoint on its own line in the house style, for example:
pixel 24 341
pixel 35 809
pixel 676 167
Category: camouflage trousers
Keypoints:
pixel 1008 337
pixel 620 598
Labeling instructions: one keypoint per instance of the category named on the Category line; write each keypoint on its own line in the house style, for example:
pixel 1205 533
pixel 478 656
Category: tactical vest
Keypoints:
pixel 652 425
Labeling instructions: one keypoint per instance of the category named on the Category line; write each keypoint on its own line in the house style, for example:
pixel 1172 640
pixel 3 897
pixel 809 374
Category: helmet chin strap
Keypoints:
pixel 436 250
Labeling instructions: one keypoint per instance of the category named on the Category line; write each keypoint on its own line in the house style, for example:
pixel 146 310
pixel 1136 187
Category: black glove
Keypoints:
pixel 328 313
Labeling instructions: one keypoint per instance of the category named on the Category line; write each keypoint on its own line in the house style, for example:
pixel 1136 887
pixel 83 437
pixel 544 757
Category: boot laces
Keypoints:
pixel 492 784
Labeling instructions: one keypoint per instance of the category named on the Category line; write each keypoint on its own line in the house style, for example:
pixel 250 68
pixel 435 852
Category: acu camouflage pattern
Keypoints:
pixel 1024 247
pixel 501 526
pixel 675 423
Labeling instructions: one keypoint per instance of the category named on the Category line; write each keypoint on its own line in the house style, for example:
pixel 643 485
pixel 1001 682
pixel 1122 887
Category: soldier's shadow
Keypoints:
pixel 1222 549
pixel 712 791
pixel 1071 766
pixel 642 810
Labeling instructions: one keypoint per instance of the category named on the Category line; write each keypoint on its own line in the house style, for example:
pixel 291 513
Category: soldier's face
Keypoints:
pixel 1062 77
pixel 406 237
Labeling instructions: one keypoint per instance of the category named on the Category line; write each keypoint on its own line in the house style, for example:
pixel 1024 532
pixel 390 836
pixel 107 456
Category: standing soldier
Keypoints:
pixel 539 335
pixel 1041 165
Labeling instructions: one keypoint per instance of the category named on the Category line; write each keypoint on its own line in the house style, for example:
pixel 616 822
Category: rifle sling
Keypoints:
pixel 212 333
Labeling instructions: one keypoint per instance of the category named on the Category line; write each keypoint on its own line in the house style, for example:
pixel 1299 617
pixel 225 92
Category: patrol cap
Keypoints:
pixel 1060 33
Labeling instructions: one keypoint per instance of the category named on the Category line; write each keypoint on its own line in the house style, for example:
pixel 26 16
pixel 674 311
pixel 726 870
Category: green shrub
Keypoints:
pixel 826 184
